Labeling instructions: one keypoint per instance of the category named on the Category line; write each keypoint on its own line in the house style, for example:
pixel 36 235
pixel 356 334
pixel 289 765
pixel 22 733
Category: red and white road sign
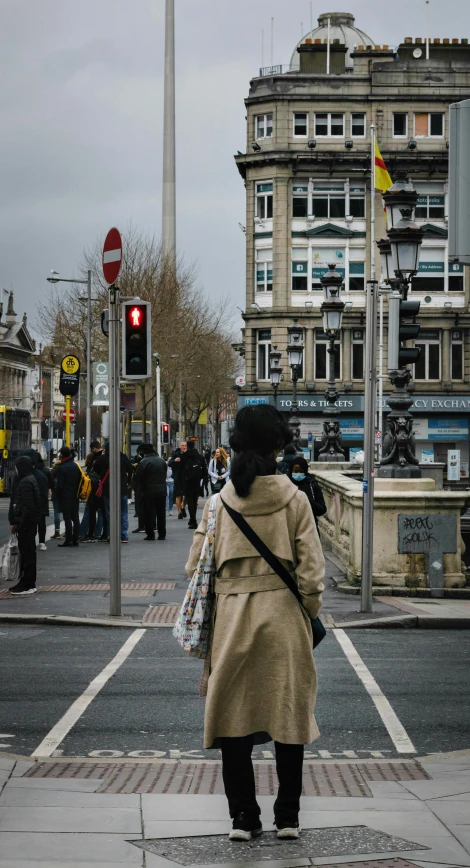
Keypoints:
pixel 72 415
pixel 112 255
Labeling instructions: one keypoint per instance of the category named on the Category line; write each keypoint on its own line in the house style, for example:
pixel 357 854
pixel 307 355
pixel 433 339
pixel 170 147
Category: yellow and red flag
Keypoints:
pixel 382 180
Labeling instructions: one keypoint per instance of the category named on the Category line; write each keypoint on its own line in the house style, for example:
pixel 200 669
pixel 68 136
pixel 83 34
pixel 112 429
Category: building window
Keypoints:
pixel 430 208
pixel 264 270
pixel 301 124
pixel 329 124
pixel 299 269
pixel 358 124
pixel 264 200
pixel 300 200
pixel 400 125
pixel 263 348
pixel 329 202
pixel 431 276
pixel 357 276
pixel 322 357
pixel 455 277
pixel 429 365
pixel 429 124
pixel 357 201
pixel 263 126
pixel 357 354
pixel 456 355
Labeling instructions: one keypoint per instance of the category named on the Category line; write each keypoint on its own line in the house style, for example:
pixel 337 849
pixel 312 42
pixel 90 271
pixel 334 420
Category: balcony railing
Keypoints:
pixel 280 69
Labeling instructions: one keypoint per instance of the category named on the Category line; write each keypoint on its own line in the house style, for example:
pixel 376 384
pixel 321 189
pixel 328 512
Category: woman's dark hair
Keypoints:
pixel 258 433
pixel 301 462
pixel 290 449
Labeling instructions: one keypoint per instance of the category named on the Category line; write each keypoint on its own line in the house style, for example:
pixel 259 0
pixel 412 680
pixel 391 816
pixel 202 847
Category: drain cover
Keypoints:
pixel 217 849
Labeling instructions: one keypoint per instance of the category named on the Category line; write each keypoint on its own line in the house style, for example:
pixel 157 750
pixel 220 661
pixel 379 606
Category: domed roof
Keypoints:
pixel 342 28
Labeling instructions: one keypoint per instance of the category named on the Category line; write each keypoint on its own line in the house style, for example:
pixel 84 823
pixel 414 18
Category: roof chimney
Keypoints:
pixel 10 318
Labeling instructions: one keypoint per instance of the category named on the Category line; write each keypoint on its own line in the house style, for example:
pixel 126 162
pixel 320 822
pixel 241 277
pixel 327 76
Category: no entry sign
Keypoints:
pixel 112 255
pixel 72 415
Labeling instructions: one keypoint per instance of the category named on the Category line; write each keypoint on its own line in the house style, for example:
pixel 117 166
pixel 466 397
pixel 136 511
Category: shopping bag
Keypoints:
pixel 11 560
pixel 193 626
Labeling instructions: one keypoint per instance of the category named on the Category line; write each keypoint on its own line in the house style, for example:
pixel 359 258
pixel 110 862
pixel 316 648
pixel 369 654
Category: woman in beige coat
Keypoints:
pixel 262 682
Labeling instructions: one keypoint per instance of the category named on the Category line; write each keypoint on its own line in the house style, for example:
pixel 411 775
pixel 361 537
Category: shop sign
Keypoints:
pixel 355 403
pixel 427 456
pixel 352 429
pixel 447 429
pixel 453 465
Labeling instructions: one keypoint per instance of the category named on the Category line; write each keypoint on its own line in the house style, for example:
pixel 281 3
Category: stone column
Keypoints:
pixel 346 360
pixel 445 356
pixel 281 243
pixel 308 366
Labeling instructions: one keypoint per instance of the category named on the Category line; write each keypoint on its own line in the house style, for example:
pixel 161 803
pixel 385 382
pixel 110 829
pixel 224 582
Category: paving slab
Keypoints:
pixel 6 764
pixel 79 820
pixel 47 798
pixel 436 789
pixel 64 848
pixel 152 861
pixel 462 833
pixel 21 767
pixel 78 785
pixel 454 813
pixel 389 790
pixel 14 863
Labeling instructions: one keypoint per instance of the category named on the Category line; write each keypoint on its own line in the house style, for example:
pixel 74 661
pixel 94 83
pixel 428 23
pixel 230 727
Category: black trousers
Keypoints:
pixel 95 505
pixel 42 529
pixel 192 493
pixel 239 778
pixel 72 522
pixel 27 548
pixel 154 508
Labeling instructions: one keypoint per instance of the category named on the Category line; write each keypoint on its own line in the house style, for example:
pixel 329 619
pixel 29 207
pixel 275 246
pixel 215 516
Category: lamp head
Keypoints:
pixel 53 278
pixel 255 146
pixel 312 143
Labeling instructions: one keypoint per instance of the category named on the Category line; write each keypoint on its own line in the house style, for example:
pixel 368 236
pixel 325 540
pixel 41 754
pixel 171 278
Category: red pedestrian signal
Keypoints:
pixel 165 432
pixel 136 340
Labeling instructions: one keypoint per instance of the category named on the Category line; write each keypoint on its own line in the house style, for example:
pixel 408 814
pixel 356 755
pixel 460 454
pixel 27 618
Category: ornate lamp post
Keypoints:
pixel 332 314
pixel 295 354
pixel 400 257
pixel 275 370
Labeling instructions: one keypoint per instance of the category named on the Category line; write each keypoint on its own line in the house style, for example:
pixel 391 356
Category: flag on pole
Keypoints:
pixel 382 180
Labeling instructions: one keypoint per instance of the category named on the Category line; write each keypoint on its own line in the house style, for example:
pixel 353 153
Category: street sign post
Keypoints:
pixel 71 415
pixel 100 384
pixel 112 257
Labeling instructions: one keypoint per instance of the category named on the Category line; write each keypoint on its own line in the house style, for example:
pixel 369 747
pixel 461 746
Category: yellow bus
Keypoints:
pixel 15 435
pixel 136 435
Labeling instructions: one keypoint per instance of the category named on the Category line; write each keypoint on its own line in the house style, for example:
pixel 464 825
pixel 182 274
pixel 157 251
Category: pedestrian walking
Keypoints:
pixel 94 522
pixel 24 514
pixel 41 479
pixel 68 477
pixel 194 473
pixel 306 483
pixel 55 502
pixel 150 477
pixel 170 486
pixel 178 492
pixel 46 471
pixel 219 469
pixel 138 506
pixel 101 468
pixel 262 683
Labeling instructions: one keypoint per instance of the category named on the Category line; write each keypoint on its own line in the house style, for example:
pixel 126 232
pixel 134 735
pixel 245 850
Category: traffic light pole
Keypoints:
pixel 114 529
pixel 370 401
pixel 67 420
pixel 158 400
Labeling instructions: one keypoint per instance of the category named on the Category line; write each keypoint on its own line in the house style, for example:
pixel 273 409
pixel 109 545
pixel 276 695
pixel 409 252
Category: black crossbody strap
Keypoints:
pixel 263 550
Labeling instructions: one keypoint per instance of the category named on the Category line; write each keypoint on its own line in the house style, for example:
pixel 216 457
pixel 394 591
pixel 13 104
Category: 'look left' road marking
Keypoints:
pixel 65 724
pixel 390 720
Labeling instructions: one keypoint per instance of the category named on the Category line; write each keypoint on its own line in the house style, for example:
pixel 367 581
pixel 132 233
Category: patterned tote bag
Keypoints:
pixel 193 626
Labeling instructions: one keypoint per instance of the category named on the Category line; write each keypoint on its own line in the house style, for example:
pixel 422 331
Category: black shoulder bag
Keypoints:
pixel 318 629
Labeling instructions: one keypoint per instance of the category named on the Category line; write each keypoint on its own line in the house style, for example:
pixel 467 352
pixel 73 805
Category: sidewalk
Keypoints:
pixel 413 813
pixel 73 588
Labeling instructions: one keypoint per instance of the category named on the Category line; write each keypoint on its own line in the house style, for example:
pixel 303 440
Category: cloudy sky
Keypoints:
pixel 81 107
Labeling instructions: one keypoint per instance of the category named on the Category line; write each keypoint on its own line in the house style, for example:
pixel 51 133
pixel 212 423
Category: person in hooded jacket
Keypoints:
pixel 43 483
pixel 25 512
pixel 68 476
pixel 306 483
pixel 150 481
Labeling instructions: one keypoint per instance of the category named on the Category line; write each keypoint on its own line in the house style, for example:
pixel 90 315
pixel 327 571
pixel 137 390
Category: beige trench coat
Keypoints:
pixel 262 675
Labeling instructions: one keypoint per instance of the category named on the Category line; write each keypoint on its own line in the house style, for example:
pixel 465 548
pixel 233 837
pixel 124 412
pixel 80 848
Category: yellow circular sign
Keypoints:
pixel 70 364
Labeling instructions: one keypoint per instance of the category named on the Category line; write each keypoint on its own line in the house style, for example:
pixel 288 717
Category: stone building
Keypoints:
pixel 308 185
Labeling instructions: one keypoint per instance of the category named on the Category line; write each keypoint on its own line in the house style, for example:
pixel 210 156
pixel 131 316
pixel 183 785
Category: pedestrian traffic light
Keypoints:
pixel 165 432
pixel 399 330
pixel 136 340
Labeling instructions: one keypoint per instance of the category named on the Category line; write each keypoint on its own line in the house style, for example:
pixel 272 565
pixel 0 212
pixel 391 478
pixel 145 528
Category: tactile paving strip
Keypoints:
pixel 376 863
pixel 164 616
pixel 104 586
pixel 319 779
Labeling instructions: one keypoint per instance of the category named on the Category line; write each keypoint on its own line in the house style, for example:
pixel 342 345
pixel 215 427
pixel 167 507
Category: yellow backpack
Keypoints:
pixel 84 487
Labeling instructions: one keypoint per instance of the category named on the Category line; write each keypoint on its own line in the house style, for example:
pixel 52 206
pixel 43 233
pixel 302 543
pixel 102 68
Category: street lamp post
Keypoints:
pixel 332 315
pixel 56 279
pixel 295 354
pixel 275 370
pixel 400 257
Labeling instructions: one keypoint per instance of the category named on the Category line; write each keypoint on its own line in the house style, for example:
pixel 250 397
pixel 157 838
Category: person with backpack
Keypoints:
pixel 262 682
pixel 25 512
pixel 193 472
pixel 306 483
pixel 101 468
pixel 95 511
pixel 68 479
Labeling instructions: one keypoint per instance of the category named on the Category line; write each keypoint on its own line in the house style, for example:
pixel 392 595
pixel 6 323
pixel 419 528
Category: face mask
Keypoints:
pixel 298 476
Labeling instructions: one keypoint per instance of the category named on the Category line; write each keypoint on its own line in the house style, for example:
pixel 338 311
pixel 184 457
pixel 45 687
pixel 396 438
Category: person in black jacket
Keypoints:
pixel 68 476
pixel 24 516
pixel 101 467
pixel 290 455
pixel 193 471
pixel 302 479
pixel 150 482
pixel 39 473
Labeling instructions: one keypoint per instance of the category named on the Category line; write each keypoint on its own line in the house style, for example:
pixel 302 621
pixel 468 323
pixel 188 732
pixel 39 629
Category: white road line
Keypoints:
pixel 65 724
pixel 394 728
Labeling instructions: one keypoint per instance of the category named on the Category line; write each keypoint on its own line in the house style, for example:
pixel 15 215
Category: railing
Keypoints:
pixel 280 69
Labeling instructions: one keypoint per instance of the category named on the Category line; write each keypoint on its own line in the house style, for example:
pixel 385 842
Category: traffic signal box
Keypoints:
pixel 401 330
pixel 165 432
pixel 136 340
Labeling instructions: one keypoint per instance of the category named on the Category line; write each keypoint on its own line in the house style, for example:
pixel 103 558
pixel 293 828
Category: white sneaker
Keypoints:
pixel 289 832
pixel 23 592
pixel 42 547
